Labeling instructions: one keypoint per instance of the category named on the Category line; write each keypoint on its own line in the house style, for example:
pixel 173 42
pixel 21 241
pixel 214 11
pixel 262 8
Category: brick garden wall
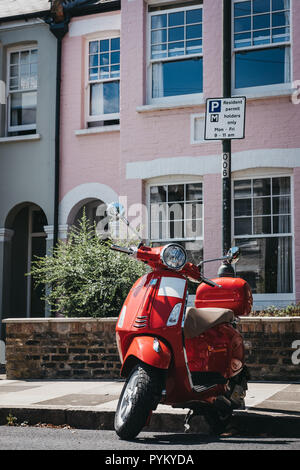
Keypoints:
pixel 60 348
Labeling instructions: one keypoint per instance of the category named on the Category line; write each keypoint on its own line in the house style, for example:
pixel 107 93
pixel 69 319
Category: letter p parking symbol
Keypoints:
pixel 215 106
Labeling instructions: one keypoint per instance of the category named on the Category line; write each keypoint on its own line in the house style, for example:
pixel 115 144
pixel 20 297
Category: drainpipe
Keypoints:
pixel 58 24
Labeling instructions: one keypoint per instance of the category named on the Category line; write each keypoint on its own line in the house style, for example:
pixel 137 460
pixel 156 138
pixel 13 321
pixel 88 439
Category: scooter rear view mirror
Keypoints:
pixel 233 254
pixel 115 210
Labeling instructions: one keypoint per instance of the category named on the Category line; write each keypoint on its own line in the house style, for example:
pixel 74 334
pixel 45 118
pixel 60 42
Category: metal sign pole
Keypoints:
pixel 226 143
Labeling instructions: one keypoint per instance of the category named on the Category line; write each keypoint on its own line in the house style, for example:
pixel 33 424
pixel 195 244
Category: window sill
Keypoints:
pixel 170 105
pixel 19 138
pixel 98 130
pixel 262 93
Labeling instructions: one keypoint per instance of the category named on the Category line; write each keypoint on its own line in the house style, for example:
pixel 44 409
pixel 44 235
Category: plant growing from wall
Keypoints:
pixel 87 279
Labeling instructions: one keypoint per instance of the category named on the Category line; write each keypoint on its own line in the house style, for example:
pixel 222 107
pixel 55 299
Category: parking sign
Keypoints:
pixel 225 118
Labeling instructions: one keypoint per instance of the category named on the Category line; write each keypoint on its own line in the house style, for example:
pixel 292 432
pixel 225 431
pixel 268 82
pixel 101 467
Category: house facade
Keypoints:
pixel 134 86
pixel 27 138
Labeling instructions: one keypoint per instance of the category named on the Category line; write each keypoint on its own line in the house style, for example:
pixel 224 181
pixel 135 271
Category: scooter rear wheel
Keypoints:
pixel 140 395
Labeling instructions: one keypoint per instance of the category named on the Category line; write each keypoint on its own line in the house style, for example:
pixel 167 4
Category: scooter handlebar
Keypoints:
pixel 122 249
pixel 210 283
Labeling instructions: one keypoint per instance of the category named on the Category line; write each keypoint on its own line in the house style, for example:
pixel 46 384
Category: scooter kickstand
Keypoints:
pixel 187 420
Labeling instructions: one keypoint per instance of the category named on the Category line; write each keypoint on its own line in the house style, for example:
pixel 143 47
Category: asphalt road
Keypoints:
pixel 45 438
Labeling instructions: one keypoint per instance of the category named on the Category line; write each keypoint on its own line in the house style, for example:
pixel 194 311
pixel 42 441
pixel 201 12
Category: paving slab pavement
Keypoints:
pixel 271 408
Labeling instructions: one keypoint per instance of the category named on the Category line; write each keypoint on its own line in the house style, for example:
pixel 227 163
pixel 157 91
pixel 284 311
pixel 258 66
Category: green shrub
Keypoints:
pixel 85 277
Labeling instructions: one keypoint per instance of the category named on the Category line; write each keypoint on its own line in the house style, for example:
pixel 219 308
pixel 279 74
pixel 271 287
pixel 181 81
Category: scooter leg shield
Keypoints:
pixel 149 350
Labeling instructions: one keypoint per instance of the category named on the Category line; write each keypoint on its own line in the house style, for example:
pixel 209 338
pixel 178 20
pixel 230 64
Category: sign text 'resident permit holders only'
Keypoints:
pixel 225 118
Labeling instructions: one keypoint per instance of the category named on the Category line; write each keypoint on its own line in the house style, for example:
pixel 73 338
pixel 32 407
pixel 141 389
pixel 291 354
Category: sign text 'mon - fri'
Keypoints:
pixel 225 118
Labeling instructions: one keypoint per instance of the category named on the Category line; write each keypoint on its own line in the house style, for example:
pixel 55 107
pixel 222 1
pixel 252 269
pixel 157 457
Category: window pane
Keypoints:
pixel 194 47
pixel 266 264
pixel 158 21
pixel 175 49
pixel 242 9
pixel 158 36
pixel 243 226
pixel 159 51
pixel 94 60
pixel 23 109
pixel 177 78
pixel 176 192
pixel 194 31
pixel 261 225
pixel 115 58
pixel 281 185
pixel 14 58
pixel 280 34
pixel 261 67
pixel 194 191
pixel 104 45
pixel 194 228
pixel 281 205
pixel 176 34
pixel 158 230
pixel 104 59
pixel 261 37
pixel 280 19
pixel 262 187
pixel 261 21
pixel 115 44
pixel 282 224
pixel 242 207
pixel 176 19
pixel 104 98
pixel 261 6
pixel 93 47
pixel 104 72
pixel 280 4
pixel 242 188
pixel 262 206
pixel 176 228
pixel 193 210
pixel 158 212
pixel 175 211
pixel 158 193
pixel 115 70
pixel 242 39
pixel 242 24
pixel 111 97
pixel 194 16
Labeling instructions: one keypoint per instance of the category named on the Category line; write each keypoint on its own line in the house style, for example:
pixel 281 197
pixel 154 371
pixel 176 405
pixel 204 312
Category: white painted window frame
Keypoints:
pixel 26 127
pixel 100 117
pixel 177 99
pixel 268 173
pixel 163 181
pixel 265 90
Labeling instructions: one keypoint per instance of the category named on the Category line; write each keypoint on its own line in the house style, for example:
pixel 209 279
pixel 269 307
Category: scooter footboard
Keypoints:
pixel 149 350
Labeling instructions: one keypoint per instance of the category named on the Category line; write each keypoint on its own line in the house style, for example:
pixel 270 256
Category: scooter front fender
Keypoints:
pixel 142 349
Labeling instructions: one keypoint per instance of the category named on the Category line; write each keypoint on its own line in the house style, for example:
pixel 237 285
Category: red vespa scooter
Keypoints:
pixel 186 357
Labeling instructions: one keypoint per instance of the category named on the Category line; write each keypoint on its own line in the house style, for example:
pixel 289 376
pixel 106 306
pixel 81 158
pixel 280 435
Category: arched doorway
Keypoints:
pixel 95 212
pixel 26 221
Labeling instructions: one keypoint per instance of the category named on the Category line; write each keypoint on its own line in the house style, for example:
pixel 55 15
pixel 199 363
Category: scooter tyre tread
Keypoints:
pixel 146 398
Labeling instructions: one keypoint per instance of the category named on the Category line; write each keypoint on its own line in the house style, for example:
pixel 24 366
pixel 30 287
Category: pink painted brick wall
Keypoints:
pixel 271 123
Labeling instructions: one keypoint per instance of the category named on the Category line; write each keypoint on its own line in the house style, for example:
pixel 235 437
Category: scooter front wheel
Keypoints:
pixel 140 395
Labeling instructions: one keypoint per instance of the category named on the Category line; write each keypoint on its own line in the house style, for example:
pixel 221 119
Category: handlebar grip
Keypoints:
pixel 210 283
pixel 122 249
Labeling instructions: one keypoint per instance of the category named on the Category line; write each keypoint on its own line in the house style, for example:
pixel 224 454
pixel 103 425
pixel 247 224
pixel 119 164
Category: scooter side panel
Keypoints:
pixel 142 347
pixel 220 349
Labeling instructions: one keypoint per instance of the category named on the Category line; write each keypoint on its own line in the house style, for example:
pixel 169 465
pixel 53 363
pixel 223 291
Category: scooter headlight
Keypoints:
pixel 173 256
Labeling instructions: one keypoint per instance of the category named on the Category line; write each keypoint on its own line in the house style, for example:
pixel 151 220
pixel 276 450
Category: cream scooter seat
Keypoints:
pixel 198 320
